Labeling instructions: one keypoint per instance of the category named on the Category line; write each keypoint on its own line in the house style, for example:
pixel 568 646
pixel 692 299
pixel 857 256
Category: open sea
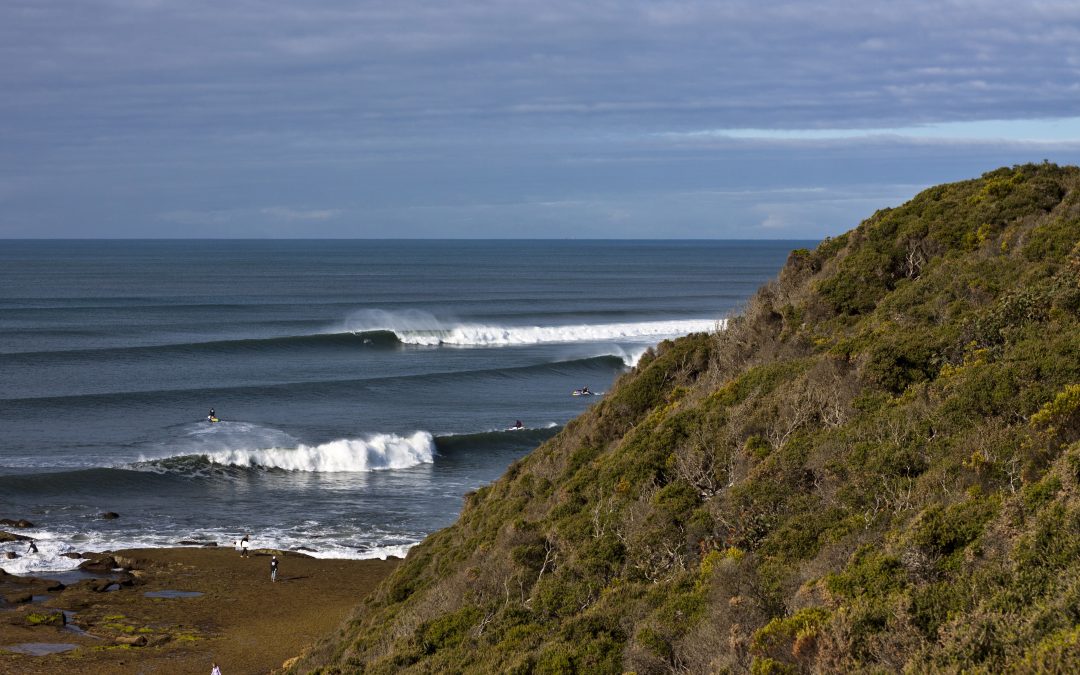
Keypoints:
pixel 362 387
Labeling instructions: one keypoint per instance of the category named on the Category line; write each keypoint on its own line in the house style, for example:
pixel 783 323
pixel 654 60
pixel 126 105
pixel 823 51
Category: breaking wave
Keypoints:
pixel 421 328
pixel 373 453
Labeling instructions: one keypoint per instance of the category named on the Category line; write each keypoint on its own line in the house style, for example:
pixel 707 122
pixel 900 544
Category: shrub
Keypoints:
pixel 1060 418
pixel 446 631
pixel 945 530
pixel 1052 241
pixel 776 639
pixel 869 573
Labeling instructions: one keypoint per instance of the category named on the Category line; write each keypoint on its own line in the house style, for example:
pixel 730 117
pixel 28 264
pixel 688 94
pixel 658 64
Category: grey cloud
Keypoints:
pixel 791 63
pixel 245 216
pixel 295 215
pixel 187 217
pixel 116 111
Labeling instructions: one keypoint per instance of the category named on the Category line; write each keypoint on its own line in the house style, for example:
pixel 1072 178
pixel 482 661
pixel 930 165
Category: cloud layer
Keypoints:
pixel 513 118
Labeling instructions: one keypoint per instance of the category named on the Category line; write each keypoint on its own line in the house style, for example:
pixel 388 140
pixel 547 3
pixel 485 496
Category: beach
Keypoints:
pixel 217 607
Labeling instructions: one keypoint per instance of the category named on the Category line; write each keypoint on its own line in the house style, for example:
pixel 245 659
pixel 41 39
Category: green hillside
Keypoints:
pixel 875 467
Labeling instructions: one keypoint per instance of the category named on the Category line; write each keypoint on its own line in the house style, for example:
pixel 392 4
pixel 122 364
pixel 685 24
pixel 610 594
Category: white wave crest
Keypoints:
pixel 630 357
pixel 420 328
pixel 380 451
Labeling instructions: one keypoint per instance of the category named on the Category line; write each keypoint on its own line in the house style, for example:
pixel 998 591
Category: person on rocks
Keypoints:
pixel 273 568
pixel 215 670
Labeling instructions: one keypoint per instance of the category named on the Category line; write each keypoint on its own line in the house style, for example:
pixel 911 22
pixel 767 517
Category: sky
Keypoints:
pixel 516 119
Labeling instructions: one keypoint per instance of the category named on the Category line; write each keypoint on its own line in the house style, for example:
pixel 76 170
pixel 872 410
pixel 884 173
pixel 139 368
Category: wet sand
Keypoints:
pixel 241 620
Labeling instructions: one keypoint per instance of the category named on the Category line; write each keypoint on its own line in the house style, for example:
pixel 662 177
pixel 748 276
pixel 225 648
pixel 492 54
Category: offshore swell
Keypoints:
pixel 437 334
pixel 364 387
pixel 163 395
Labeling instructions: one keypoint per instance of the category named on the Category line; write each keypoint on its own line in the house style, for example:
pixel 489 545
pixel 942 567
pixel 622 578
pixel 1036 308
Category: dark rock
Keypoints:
pixel 209 544
pixel 279 552
pixel 11 555
pixel 110 515
pixel 305 548
pixel 18 598
pixel 73 555
pixel 41 585
pixel 127 563
pixel 157 640
pixel 20 523
pixel 125 580
pixel 133 640
pixel 7 536
pixel 93 585
pixel 102 564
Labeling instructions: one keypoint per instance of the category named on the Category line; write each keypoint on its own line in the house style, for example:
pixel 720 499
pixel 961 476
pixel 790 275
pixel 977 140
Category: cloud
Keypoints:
pixel 299 215
pixel 1034 132
pixel 794 65
pixel 187 217
pixel 240 216
pixel 143 107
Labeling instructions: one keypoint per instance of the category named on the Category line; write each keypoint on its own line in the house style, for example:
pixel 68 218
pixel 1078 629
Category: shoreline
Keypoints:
pixel 218 607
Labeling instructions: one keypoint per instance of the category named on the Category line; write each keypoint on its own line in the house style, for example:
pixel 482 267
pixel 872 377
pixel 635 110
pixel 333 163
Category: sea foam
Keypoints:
pixel 420 328
pixel 379 451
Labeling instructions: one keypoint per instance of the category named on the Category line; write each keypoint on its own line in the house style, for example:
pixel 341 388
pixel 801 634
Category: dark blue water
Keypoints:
pixel 362 386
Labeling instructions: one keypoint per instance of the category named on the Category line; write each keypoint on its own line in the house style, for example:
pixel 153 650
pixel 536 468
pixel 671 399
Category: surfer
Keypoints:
pixel 212 417
pixel 273 568
pixel 518 425
pixel 32 549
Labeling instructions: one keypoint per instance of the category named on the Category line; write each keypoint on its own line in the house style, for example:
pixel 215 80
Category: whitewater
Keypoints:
pixel 379 451
pixel 418 328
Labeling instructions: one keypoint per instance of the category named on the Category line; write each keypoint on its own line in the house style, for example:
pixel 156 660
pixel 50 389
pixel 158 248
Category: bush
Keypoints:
pixel 1052 241
pixel 777 638
pixel 945 530
pixel 446 631
pixel 870 573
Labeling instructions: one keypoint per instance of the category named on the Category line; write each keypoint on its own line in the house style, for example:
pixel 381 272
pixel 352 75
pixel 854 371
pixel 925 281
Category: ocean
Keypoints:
pixel 362 387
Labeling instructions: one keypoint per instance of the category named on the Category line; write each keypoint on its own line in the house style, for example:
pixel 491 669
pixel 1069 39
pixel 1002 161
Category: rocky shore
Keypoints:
pixel 177 610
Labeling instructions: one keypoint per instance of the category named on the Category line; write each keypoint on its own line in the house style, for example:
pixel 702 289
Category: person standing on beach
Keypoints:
pixel 273 568
pixel 215 670
pixel 244 547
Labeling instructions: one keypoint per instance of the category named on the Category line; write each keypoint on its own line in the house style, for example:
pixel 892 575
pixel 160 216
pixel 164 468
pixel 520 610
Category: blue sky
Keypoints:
pixel 418 118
